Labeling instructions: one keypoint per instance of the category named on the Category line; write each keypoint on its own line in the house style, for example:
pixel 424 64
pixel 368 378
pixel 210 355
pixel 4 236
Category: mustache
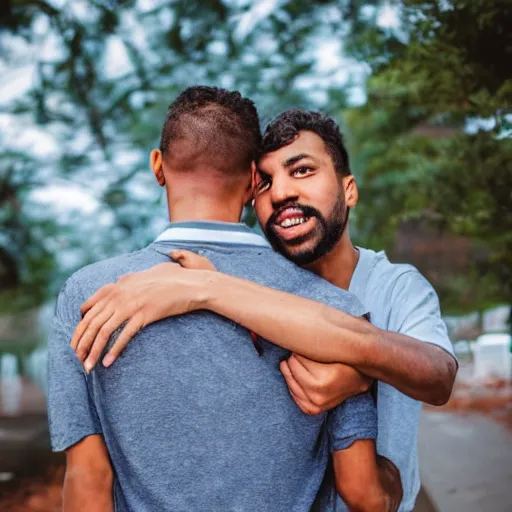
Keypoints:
pixel 307 211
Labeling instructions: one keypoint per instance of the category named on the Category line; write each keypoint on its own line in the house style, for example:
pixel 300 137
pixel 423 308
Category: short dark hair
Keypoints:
pixel 221 129
pixel 282 130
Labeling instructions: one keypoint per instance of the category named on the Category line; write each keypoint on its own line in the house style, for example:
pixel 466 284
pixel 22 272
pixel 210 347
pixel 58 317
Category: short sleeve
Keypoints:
pixel 416 312
pixel 353 420
pixel 71 412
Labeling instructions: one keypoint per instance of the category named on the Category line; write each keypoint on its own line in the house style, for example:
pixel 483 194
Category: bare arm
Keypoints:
pixel 420 370
pixel 367 482
pixel 312 329
pixel 88 483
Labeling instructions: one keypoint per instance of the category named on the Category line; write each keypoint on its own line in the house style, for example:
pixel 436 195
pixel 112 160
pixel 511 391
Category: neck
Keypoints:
pixel 204 195
pixel 337 266
pixel 204 208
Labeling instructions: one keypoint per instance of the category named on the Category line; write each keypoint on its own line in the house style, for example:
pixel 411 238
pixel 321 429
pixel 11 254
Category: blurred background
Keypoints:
pixel 423 92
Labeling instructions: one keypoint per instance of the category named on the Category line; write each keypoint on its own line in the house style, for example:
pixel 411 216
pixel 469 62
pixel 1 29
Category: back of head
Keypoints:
pixel 211 129
pixel 283 130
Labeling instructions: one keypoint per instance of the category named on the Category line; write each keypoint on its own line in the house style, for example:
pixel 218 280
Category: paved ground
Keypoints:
pixel 424 502
pixel 466 462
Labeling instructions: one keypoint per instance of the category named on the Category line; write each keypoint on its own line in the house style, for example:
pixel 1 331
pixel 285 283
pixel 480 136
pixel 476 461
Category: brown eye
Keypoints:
pixel 301 171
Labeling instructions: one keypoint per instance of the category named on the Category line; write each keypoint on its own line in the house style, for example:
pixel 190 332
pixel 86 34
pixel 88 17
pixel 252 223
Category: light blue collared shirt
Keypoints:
pixel 401 300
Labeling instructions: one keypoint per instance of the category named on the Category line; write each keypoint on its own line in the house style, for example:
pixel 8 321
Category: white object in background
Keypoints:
pixel 491 356
pixel 496 319
pixel 10 385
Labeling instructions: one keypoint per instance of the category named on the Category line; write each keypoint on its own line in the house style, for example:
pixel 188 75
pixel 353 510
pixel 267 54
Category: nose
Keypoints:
pixel 283 191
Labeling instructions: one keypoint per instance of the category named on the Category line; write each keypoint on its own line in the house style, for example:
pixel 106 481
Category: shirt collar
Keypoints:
pixel 212 232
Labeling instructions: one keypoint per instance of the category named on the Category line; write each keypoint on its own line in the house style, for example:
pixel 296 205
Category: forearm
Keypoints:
pixel 294 323
pixel 373 500
pixel 86 492
pixel 420 370
pixel 325 334
pixel 365 481
pixel 365 495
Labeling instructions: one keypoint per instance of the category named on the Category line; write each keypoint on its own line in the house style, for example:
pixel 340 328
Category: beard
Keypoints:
pixel 325 235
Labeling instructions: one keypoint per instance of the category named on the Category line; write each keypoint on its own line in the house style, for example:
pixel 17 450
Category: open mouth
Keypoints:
pixel 292 223
pixel 289 223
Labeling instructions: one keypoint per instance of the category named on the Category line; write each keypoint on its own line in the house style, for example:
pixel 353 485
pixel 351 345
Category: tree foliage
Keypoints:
pixel 434 141
pixel 103 74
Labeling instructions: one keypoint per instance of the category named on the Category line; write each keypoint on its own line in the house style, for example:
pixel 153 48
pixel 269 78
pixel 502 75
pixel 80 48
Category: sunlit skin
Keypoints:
pixel 303 173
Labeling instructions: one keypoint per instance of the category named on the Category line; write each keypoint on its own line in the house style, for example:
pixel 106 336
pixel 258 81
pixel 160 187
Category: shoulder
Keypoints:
pixel 392 280
pixel 395 292
pixel 404 301
pixel 89 278
pixel 413 304
pixel 304 283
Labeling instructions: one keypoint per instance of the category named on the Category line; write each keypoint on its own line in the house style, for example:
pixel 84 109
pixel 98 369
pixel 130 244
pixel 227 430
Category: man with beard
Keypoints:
pixel 193 418
pixel 303 192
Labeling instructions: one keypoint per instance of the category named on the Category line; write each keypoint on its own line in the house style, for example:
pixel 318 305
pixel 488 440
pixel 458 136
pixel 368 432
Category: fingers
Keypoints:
pixel 306 363
pixel 292 384
pixel 84 324
pixel 86 312
pixel 296 391
pixel 305 407
pixel 94 299
pixel 100 342
pixel 96 322
pixel 300 373
pixel 189 259
pixel 78 333
pixel 128 332
pixel 318 400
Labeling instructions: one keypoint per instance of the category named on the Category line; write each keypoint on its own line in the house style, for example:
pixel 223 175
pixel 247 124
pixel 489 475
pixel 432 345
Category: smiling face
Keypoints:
pixel 301 203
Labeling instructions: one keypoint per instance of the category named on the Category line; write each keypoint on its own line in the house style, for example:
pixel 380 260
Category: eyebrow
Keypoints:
pixel 290 161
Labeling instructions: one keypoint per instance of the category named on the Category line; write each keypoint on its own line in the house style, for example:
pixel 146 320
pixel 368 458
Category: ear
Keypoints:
pixel 249 195
pixel 248 192
pixel 155 161
pixel 351 192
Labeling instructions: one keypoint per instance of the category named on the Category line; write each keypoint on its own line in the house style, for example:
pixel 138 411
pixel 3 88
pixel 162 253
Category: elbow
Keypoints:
pixel 359 498
pixel 440 398
pixel 85 482
pixel 352 496
pixel 443 381
pixel 94 491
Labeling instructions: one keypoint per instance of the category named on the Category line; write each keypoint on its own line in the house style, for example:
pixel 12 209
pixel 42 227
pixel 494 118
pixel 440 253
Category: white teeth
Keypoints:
pixel 292 222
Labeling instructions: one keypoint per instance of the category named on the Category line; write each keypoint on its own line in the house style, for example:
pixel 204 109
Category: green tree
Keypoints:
pixel 103 74
pixel 433 141
pixel 104 71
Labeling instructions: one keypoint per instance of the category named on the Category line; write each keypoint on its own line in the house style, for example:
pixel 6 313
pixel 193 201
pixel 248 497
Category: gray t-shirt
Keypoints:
pixel 193 418
pixel 401 300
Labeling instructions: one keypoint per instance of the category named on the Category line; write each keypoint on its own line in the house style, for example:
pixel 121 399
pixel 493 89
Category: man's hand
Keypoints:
pixel 136 300
pixel 191 260
pixel 318 387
